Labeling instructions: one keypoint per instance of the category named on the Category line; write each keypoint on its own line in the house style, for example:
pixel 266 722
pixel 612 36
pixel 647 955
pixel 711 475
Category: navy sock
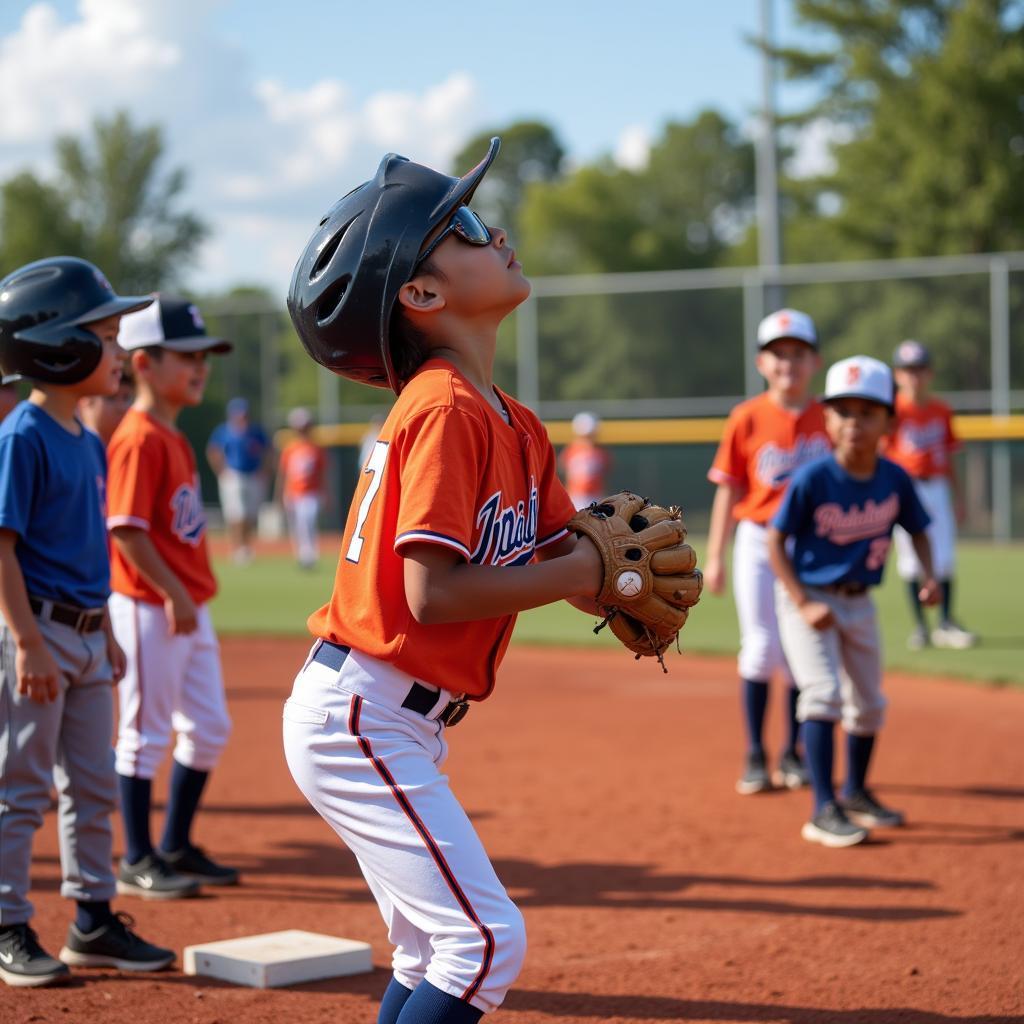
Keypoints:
pixel 396 995
pixel 754 697
pixel 947 600
pixel 186 789
pixel 858 757
pixel 818 737
pixel 793 726
pixel 136 794
pixel 913 591
pixel 92 914
pixel 429 1005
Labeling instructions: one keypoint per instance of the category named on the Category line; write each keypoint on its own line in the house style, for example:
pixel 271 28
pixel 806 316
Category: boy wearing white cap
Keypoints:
pixel 839 514
pixel 766 438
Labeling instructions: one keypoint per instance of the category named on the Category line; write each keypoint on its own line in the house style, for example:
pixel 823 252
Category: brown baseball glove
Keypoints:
pixel 650 576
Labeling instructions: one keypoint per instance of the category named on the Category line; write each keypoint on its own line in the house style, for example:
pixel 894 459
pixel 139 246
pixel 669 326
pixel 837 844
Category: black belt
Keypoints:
pixel 850 588
pixel 421 699
pixel 81 620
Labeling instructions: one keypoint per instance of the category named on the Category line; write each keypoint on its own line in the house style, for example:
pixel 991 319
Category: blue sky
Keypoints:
pixel 276 109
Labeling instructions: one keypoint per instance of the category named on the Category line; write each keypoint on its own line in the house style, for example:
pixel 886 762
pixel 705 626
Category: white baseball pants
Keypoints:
pixel 753 583
pixel 302 513
pixel 371 769
pixel 172 684
pixel 937 498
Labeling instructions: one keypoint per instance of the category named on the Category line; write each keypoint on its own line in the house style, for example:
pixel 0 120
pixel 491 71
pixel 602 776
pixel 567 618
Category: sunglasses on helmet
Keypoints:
pixel 464 223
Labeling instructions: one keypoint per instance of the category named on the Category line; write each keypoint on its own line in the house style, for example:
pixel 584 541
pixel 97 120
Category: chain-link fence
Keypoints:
pixel 680 344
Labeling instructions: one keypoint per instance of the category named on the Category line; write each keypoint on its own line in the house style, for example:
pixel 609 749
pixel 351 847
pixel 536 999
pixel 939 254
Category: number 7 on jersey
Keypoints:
pixel 374 466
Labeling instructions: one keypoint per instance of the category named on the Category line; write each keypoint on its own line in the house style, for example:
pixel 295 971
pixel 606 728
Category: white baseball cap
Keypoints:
pixel 585 424
pixel 170 323
pixel 300 418
pixel 860 377
pixel 787 323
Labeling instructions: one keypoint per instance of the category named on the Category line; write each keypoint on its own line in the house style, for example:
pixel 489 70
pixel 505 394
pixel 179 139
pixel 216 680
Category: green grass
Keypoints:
pixel 272 595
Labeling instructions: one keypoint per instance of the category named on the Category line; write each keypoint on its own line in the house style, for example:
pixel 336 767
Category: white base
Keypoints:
pixel 278 958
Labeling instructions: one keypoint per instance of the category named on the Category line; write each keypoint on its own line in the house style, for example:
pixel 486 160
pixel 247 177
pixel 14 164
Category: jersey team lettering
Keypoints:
pixel 508 535
pixel 776 463
pixel 188 521
pixel 840 526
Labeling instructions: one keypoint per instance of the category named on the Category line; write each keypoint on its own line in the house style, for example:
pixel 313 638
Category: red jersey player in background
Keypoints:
pixel 300 486
pixel 923 443
pixel 585 463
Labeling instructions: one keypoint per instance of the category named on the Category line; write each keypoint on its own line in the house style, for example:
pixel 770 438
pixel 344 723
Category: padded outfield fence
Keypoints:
pixel 662 357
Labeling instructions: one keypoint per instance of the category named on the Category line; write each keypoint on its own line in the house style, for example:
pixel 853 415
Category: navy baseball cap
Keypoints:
pixel 911 355
pixel 169 323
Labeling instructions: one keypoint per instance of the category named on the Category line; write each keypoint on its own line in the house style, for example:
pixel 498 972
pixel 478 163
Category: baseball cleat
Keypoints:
pixel 919 639
pixel 755 778
pixel 152 879
pixel 791 773
pixel 952 635
pixel 831 827
pixel 863 809
pixel 192 862
pixel 24 963
pixel 114 944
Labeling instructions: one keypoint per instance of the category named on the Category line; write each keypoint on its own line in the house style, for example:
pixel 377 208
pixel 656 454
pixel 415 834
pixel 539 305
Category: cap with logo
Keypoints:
pixel 860 377
pixel 911 355
pixel 787 323
pixel 169 323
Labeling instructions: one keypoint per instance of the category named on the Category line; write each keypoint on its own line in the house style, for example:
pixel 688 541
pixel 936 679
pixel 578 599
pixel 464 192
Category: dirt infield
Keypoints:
pixel 604 792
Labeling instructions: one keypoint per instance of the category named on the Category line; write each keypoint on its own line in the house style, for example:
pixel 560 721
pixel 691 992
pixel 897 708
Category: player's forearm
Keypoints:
pixel 14 597
pixel 722 522
pixel 923 550
pixel 465 593
pixel 137 546
pixel 782 566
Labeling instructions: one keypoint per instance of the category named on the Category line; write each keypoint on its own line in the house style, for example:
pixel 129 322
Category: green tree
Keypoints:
pixel 110 203
pixel 530 152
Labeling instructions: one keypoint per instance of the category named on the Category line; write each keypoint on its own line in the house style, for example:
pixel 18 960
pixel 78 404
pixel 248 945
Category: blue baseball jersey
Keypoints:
pixel 53 496
pixel 841 527
pixel 243 449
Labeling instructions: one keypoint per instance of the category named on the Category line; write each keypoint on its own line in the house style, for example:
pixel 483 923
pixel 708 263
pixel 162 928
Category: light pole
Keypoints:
pixel 769 241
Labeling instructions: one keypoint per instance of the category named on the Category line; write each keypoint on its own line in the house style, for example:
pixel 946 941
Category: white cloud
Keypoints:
pixel 812 148
pixel 633 148
pixel 264 159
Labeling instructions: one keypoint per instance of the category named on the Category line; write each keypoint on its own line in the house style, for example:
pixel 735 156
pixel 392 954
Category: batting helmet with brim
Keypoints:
pixel 365 248
pixel 45 308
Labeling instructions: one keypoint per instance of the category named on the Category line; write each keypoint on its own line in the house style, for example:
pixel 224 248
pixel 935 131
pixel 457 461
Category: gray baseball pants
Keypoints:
pixel 67 741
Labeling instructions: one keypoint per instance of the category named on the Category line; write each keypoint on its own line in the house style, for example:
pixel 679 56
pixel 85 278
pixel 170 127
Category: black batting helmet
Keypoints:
pixel 365 248
pixel 43 306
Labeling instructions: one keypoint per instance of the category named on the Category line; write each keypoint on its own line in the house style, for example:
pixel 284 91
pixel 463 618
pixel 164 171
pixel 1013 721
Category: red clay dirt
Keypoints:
pixel 652 892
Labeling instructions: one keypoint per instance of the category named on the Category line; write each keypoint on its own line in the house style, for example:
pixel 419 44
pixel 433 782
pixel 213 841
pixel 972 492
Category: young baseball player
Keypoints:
pixel 459 523
pixel 766 439
pixel 922 442
pixel 839 513
pixel 162 581
pixel 102 413
pixel 585 463
pixel 300 486
pixel 58 328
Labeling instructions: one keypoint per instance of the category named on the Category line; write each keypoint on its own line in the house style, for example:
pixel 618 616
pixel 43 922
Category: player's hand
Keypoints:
pixel 182 614
pixel 930 592
pixel 37 672
pixel 589 567
pixel 714 575
pixel 817 614
pixel 116 657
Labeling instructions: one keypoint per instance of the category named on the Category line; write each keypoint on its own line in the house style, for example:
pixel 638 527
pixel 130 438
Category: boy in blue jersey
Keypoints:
pixel 58 328
pixel 828 544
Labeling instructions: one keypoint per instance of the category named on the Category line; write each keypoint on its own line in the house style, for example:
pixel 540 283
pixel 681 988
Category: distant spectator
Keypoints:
pixel 8 399
pixel 585 463
pixel 102 413
pixel 237 453
pixel 300 486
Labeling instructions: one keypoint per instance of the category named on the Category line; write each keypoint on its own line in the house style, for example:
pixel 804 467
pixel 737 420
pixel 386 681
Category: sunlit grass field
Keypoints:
pixel 273 595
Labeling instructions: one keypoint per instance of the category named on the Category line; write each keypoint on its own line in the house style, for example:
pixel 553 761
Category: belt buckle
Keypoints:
pixel 454 712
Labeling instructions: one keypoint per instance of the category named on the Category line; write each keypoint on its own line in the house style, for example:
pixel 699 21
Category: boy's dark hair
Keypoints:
pixel 409 346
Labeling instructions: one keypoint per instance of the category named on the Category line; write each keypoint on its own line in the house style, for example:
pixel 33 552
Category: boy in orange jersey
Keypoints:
pixel 584 462
pixel 300 486
pixel 459 522
pixel 766 439
pixel 922 442
pixel 161 581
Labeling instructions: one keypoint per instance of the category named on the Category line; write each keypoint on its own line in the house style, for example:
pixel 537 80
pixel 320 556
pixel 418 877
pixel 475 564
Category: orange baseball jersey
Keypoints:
pixel 922 439
pixel 762 446
pixel 446 469
pixel 302 467
pixel 153 484
pixel 585 465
